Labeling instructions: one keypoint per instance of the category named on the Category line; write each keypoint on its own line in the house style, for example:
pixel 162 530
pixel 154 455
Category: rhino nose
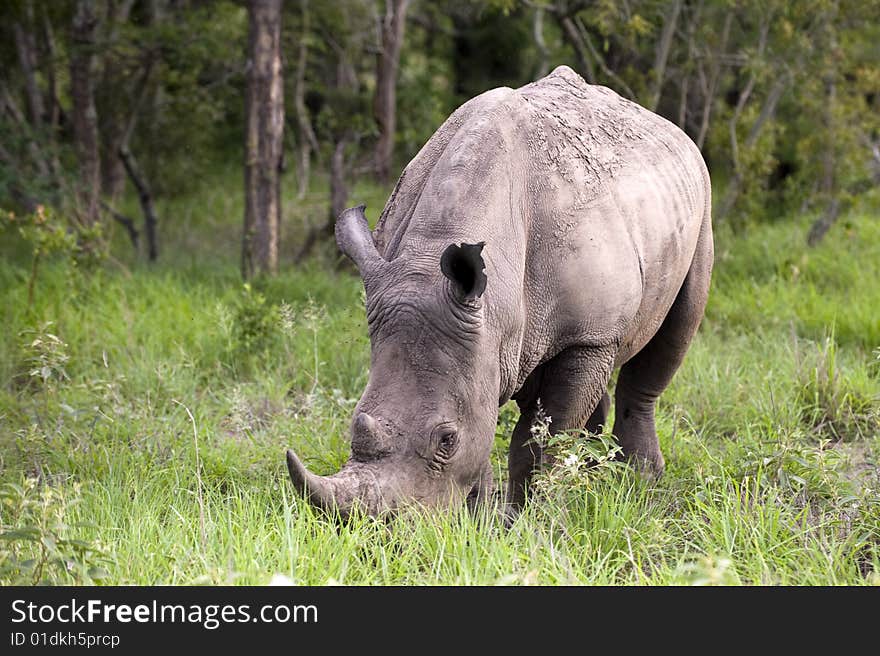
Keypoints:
pixel 368 440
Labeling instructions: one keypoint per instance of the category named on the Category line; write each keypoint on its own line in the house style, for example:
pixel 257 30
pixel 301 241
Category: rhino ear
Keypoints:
pixel 464 267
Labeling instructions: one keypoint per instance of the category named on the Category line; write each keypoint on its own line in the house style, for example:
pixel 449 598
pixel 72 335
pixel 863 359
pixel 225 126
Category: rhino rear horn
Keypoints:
pixel 355 240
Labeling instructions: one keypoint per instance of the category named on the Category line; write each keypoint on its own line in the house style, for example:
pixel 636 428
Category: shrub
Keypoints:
pixel 37 539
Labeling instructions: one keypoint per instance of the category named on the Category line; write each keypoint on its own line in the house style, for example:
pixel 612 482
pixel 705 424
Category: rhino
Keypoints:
pixel 543 238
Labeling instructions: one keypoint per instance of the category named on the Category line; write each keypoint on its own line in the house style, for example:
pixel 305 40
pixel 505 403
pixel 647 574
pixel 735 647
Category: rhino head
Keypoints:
pixel 423 428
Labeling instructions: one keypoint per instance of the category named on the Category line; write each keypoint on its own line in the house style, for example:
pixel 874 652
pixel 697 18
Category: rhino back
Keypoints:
pixel 617 195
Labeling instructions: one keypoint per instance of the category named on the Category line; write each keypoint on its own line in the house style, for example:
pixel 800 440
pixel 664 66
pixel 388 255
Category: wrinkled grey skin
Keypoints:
pixel 595 215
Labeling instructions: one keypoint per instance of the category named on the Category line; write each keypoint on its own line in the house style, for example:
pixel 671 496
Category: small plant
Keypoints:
pixel 34 447
pixel 36 538
pixel 287 318
pixel 255 322
pixel 810 471
pixel 243 418
pixel 314 316
pixel 574 459
pixel 830 406
pixel 44 356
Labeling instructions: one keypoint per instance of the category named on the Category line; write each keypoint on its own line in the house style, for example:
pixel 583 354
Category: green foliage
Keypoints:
pixel 23 171
pixel 197 106
pixel 37 543
pixel 798 468
pixel 48 233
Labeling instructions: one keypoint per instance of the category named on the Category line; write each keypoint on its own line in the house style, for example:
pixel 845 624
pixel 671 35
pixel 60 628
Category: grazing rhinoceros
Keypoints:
pixel 543 237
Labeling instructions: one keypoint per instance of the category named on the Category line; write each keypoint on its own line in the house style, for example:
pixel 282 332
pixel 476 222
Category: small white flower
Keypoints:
pixel 571 460
pixel 281 580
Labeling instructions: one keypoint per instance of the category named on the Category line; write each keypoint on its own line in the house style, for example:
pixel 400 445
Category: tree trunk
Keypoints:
pixel 338 181
pixel 264 99
pixel 743 99
pixel 53 112
pixel 340 167
pixel 127 223
pixel 26 45
pixel 130 165
pixel 8 103
pixel 683 101
pixel 823 224
pixel 828 184
pixel 307 142
pixel 338 200
pixel 53 109
pixel 385 100
pixel 111 110
pixel 85 116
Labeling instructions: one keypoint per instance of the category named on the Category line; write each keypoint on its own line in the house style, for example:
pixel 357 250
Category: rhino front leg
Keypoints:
pixel 568 388
pixel 482 491
pixel 599 418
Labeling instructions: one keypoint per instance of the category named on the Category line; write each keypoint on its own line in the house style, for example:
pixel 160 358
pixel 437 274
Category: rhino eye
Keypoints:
pixel 447 442
pixel 446 445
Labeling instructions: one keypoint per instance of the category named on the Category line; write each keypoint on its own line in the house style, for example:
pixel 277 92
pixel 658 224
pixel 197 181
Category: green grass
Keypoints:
pixel 771 429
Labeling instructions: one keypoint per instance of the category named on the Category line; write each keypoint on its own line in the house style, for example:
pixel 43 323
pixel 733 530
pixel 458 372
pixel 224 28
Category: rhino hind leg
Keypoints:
pixel 644 377
pixel 567 389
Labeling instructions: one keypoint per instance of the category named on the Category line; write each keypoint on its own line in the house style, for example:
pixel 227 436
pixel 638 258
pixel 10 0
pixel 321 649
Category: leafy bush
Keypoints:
pixel 48 232
pixel 255 322
pixel 38 543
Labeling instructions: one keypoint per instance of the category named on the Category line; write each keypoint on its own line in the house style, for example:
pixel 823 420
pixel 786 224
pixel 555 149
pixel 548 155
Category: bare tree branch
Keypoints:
pixel 126 222
pixel 575 39
pixel 662 53
pixel 768 110
pixel 611 75
pixel 137 178
pixel 710 85
pixel 744 96
pixel 540 44
pixel 308 142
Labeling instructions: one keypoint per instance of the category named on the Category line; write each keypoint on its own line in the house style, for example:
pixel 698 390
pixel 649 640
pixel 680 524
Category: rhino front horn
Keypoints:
pixel 318 489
